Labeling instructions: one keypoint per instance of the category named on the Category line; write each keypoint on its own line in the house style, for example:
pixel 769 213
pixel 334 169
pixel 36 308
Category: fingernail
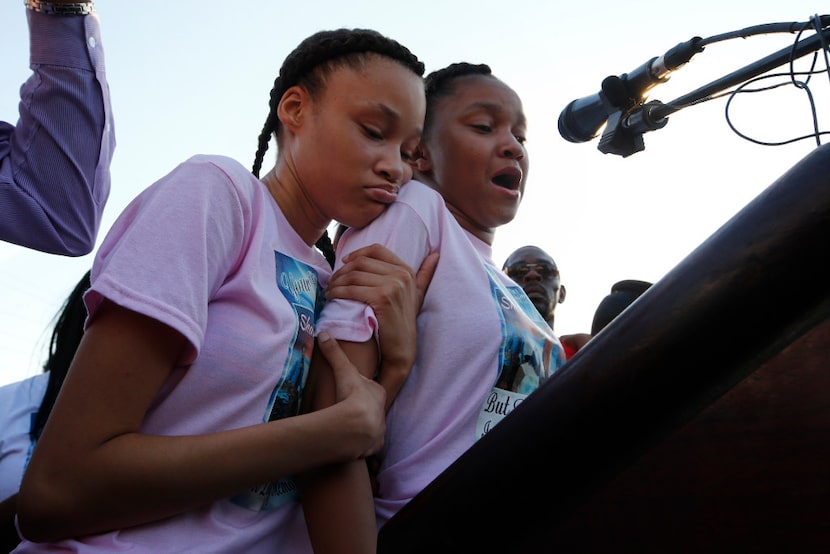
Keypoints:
pixel 323 336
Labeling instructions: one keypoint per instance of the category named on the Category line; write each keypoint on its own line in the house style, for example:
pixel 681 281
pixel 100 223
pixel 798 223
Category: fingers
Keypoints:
pixel 361 400
pixel 371 266
pixel 340 364
pixel 425 273
pixel 377 252
pixel 376 276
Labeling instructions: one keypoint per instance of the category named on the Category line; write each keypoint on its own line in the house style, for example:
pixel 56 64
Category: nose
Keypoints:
pixel 532 275
pixel 393 168
pixel 512 148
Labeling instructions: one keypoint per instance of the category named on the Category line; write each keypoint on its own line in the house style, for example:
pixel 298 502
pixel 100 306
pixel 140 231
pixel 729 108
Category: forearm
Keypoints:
pixel 337 500
pixel 393 374
pixel 339 509
pixel 54 165
pixel 156 477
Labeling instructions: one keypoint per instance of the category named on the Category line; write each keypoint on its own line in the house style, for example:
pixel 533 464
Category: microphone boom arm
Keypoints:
pixel 624 131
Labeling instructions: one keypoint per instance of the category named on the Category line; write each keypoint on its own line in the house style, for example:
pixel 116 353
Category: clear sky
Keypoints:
pixel 192 77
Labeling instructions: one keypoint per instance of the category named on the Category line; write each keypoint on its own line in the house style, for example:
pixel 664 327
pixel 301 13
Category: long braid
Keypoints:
pixel 310 63
pixel 326 247
pixel 265 137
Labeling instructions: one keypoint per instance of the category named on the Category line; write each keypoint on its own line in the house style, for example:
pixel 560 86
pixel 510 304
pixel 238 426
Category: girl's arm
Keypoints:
pixel 375 276
pixel 337 500
pixel 93 471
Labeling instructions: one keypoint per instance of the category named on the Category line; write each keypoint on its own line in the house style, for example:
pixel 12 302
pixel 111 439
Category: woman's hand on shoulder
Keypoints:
pixel 376 276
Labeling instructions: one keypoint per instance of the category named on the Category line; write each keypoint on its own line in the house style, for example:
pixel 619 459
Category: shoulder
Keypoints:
pixel 225 164
pixel 416 191
pixel 217 167
pixel 420 201
pixel 218 176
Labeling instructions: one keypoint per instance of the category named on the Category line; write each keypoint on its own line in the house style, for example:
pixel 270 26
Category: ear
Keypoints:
pixel 293 107
pixel 421 159
pixel 561 293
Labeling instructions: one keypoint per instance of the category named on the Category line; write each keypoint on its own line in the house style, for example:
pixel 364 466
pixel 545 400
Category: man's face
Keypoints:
pixel 536 272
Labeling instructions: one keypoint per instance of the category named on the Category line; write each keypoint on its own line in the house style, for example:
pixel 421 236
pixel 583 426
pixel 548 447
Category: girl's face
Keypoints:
pixel 474 153
pixel 352 150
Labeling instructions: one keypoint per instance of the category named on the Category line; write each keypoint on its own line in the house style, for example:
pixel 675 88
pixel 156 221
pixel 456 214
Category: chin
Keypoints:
pixel 508 216
pixel 541 308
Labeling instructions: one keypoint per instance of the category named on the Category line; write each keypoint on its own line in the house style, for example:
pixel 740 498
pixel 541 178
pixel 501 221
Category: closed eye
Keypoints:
pixel 372 133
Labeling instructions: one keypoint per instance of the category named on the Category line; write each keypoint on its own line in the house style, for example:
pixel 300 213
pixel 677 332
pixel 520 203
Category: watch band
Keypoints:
pixel 55 8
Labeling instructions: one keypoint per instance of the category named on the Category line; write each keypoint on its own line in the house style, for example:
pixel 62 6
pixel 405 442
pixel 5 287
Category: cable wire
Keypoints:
pixel 817 23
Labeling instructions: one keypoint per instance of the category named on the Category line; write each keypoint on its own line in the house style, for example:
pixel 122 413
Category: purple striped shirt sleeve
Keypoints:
pixel 54 164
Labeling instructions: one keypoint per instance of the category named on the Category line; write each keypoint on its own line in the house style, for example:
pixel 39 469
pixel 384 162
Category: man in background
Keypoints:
pixel 534 270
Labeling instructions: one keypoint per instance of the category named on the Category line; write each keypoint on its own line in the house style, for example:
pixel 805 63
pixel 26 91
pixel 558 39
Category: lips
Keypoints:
pixel 386 193
pixel 509 178
pixel 536 291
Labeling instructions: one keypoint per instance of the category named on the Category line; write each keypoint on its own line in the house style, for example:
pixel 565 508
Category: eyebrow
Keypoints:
pixel 387 110
pixel 495 107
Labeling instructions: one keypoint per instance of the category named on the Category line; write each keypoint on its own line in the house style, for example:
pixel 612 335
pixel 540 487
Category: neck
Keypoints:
pixel 294 202
pixel 484 234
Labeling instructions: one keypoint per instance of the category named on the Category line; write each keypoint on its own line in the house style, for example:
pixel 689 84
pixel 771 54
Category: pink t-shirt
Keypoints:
pixel 482 346
pixel 207 251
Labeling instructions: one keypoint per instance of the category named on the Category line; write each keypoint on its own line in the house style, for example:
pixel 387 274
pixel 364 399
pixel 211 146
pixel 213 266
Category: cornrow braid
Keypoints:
pixel 309 64
pixel 440 83
pixel 316 57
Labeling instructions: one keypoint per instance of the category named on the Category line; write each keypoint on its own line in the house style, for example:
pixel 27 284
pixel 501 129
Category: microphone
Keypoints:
pixel 582 119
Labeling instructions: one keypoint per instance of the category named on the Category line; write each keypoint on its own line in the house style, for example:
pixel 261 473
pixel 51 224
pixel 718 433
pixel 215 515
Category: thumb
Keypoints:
pixel 340 364
pixel 425 273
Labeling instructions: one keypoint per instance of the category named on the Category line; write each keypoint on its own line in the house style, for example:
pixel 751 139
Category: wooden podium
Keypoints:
pixel 698 421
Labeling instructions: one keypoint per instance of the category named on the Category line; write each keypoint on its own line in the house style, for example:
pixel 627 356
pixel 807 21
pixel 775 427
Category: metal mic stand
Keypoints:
pixel 624 131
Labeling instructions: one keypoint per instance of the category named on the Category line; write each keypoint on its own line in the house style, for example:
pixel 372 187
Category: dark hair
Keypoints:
pixel 66 336
pixel 623 294
pixel 309 64
pixel 439 83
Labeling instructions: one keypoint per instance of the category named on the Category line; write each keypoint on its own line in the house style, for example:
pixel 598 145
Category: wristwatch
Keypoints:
pixel 60 8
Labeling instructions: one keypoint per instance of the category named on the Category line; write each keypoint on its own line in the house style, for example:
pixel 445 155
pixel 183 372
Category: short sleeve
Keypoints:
pixel 408 228
pixel 172 248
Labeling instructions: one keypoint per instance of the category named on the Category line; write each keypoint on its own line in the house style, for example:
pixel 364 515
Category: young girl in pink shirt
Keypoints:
pixel 482 346
pixel 172 431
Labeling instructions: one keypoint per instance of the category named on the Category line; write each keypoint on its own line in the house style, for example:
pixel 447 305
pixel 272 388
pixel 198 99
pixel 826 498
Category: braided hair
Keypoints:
pixel 309 64
pixel 439 83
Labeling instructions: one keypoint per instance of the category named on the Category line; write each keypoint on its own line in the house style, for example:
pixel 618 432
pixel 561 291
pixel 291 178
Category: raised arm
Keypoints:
pixel 55 163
